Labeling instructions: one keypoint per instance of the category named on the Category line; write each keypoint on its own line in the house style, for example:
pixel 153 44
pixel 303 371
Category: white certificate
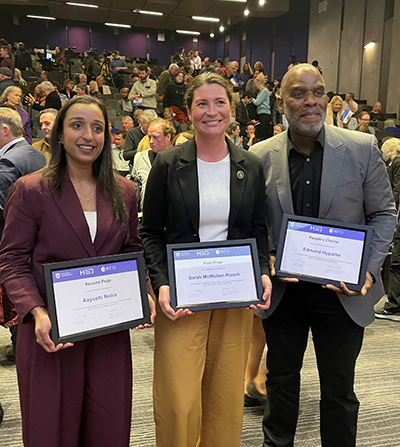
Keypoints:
pixel 321 251
pixel 219 276
pixel 90 299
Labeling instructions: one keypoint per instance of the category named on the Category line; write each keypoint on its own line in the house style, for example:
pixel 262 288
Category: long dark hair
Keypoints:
pixel 102 167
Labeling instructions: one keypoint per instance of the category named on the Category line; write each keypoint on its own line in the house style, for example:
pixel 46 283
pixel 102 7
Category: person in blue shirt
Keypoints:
pixel 263 108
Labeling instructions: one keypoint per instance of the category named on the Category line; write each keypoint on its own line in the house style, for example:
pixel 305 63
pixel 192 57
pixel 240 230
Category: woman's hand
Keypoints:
pixel 267 287
pixel 152 306
pixel 42 331
pixel 165 304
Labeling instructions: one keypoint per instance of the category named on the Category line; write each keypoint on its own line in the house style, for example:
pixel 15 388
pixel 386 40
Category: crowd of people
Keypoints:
pixel 204 153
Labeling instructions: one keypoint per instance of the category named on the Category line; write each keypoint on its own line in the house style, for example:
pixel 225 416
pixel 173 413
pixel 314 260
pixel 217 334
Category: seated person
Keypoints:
pixel 124 105
pixel 376 113
pixel 233 132
pixel 250 137
pixel 334 111
pixel 119 163
pixel 169 116
pixel 364 119
pixel 279 128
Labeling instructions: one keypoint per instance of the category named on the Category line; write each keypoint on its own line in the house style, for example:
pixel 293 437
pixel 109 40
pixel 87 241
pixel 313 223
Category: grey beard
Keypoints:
pixel 304 130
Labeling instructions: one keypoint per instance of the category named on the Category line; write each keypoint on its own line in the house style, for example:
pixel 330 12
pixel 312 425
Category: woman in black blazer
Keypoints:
pixel 205 189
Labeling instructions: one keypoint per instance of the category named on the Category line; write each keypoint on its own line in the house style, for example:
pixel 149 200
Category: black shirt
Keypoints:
pixel 305 177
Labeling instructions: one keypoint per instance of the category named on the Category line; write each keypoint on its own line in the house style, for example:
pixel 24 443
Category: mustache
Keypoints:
pixel 313 112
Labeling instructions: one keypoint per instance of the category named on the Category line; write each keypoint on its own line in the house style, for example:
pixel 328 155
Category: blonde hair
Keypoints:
pixel 391 148
pixel 166 126
pixel 19 78
pixel 7 92
pixel 261 79
pixel 336 98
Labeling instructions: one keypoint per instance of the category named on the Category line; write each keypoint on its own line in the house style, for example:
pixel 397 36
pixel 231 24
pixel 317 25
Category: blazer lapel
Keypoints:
pixel 188 181
pixel 334 152
pixel 68 203
pixel 238 181
pixel 280 170
pixel 105 220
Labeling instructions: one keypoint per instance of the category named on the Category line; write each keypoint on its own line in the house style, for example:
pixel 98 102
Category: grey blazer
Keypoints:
pixel 354 189
pixel 18 160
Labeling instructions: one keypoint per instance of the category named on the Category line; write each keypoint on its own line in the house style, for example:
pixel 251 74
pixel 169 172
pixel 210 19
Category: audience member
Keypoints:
pixel 51 97
pixel 11 98
pixel 135 135
pixel 279 128
pixel 124 105
pixel 144 90
pixel 293 61
pixel 180 56
pixel 245 111
pixel 174 98
pixel 20 82
pixel 117 66
pixel 263 108
pixel 160 133
pixel 229 74
pixel 391 152
pixel 67 91
pixel 44 76
pixel 168 115
pixel 166 78
pixel 376 113
pixel 23 59
pixel 94 90
pixel 46 121
pixel 363 128
pixel 181 138
pixel 250 138
pixel 363 118
pixel 127 123
pixel 316 65
pixel 81 89
pixel 233 132
pixel 219 66
pixel 250 87
pixel 349 103
pixel 334 111
pixel 246 74
pixel 328 157
pixel 117 151
pixel 103 88
pixel 82 80
pixel 5 54
pixel 197 63
pixel 5 79
pixel 207 67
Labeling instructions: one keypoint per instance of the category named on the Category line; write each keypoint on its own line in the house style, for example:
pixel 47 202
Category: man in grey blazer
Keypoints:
pixel 17 158
pixel 320 171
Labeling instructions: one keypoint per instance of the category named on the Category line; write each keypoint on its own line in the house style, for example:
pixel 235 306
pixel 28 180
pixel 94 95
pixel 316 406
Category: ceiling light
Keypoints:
pixel 81 4
pixel 221 28
pixel 211 35
pixel 205 19
pixel 369 45
pixel 41 17
pixel 246 12
pixel 150 13
pixel 182 31
pixel 261 2
pixel 118 25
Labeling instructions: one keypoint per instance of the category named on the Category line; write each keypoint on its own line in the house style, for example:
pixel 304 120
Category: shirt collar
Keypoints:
pixel 320 138
pixel 5 148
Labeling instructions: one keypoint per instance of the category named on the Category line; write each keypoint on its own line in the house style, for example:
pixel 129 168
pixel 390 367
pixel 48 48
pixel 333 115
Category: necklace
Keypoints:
pixel 86 198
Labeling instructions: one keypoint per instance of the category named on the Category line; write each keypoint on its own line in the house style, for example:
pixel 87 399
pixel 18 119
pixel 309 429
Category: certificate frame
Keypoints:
pixel 204 246
pixel 86 264
pixel 334 225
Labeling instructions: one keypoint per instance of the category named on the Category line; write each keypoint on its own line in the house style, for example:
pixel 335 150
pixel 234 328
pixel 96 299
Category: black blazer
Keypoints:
pixel 171 205
pixel 244 118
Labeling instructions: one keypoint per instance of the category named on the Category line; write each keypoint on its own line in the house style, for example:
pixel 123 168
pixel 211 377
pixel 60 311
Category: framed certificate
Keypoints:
pixel 323 251
pixel 214 275
pixel 91 297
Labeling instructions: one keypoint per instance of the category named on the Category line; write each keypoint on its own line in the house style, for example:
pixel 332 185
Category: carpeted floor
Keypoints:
pixel 377 387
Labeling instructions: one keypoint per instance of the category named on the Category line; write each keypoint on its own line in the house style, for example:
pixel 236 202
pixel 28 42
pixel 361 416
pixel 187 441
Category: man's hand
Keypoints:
pixel 345 291
pixel 272 269
pixel 165 304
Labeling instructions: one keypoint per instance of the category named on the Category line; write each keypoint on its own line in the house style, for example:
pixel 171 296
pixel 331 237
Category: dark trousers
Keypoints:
pixel 394 282
pixel 263 130
pixel 337 342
